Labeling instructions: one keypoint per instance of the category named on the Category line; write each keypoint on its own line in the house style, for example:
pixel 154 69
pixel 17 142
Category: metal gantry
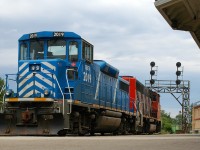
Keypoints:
pixel 183 91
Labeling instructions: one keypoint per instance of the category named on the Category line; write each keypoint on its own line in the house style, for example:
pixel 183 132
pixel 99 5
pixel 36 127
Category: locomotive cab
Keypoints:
pixel 54 57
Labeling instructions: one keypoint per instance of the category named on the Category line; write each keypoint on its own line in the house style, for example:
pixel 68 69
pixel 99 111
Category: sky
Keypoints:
pixel 128 34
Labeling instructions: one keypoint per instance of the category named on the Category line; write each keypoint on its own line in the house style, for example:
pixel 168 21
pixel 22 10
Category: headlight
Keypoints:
pixel 9 92
pixel 37 67
pixel 46 92
pixel 32 67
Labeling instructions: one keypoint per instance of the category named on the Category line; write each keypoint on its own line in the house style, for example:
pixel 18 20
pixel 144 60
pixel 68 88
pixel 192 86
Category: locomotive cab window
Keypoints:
pixel 37 50
pixel 56 49
pixel 73 51
pixel 87 52
pixel 72 74
pixel 23 51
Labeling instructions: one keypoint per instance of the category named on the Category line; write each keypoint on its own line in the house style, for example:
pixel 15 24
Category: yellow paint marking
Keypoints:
pixel 39 99
pixel 76 102
pixel 13 100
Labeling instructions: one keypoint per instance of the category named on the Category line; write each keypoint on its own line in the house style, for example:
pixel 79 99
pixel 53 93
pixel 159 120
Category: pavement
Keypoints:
pixel 128 142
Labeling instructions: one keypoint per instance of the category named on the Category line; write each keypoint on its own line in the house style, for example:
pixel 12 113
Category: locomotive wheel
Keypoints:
pixel 91 133
pixel 115 133
pixel 102 134
pixel 82 132
pixel 62 132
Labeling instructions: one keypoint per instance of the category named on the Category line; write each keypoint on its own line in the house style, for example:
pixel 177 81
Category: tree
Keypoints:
pixel 179 120
pixel 1 86
pixel 167 122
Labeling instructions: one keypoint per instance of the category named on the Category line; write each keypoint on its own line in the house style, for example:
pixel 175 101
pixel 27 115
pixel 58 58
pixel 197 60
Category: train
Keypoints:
pixel 60 89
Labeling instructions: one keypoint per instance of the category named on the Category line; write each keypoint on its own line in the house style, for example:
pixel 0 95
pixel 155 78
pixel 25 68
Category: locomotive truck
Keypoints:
pixel 60 89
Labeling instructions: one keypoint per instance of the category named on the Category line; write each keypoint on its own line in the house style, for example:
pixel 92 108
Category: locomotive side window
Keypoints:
pixel 56 49
pixel 23 52
pixel 73 51
pixel 72 74
pixel 37 50
pixel 87 52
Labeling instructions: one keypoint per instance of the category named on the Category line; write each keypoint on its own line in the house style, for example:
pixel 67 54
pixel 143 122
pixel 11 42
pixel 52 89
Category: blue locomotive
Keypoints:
pixel 61 90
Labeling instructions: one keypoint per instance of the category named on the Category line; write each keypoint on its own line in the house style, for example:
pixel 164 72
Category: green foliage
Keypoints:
pixel 167 122
pixel 170 125
pixel 178 119
pixel 1 85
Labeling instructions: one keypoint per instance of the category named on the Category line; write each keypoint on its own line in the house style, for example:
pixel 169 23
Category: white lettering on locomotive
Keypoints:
pixel 87 77
pixel 58 34
pixel 33 35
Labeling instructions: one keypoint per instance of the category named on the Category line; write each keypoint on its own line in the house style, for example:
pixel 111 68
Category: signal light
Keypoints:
pixel 152 64
pixel 178 64
pixel 178 82
pixel 152 72
pixel 178 73
pixel 152 81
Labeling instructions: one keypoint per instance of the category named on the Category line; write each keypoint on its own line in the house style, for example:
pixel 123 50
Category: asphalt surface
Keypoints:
pixel 130 142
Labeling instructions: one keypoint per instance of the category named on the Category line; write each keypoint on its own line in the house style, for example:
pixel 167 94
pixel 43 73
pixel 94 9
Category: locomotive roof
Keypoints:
pixel 107 68
pixel 44 34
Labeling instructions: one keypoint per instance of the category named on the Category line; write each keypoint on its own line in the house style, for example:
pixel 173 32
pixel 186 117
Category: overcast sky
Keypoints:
pixel 128 34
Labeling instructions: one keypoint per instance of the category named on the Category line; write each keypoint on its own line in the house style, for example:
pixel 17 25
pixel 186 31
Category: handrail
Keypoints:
pixel 62 95
pixel 70 94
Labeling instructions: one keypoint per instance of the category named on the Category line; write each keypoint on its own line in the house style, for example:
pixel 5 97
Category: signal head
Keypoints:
pixel 178 82
pixel 152 81
pixel 152 64
pixel 152 72
pixel 178 64
pixel 178 73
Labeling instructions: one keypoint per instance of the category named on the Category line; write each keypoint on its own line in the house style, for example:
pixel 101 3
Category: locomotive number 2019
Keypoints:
pixel 87 77
pixel 87 74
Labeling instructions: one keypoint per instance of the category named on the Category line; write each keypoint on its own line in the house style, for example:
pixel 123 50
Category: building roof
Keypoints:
pixel 182 15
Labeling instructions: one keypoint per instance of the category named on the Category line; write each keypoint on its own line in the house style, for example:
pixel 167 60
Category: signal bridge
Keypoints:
pixel 179 89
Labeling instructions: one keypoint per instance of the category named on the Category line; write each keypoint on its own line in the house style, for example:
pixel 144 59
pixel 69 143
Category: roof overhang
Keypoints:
pixel 182 15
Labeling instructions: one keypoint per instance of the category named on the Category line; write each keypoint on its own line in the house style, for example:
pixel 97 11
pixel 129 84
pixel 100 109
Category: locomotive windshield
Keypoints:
pixel 37 50
pixel 56 49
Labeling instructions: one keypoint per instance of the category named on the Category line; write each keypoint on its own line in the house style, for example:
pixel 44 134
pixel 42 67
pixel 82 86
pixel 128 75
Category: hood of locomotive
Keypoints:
pixel 41 78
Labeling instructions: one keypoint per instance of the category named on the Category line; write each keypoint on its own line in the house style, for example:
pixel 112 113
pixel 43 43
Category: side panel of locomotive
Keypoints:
pixel 100 98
